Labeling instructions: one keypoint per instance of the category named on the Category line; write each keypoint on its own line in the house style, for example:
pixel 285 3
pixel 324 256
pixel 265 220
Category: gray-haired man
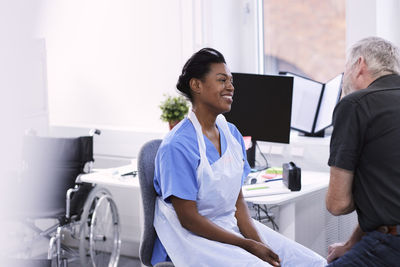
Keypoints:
pixel 365 156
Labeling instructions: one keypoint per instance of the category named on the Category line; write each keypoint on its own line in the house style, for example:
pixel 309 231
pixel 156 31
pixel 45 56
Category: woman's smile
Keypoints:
pixel 228 97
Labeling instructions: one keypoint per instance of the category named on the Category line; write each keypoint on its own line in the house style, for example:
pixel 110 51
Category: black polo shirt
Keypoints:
pixel 366 140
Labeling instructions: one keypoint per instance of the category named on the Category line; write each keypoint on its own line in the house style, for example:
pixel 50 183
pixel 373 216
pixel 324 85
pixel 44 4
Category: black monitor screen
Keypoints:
pixel 262 106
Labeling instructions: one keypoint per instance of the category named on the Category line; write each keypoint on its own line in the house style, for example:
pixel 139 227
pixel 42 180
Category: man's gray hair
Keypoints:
pixel 381 56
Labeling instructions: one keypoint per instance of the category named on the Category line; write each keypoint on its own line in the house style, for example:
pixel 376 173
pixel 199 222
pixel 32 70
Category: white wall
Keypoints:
pixel 231 27
pixel 388 20
pixel 110 62
pixel 21 76
pixel 372 18
pixel 18 85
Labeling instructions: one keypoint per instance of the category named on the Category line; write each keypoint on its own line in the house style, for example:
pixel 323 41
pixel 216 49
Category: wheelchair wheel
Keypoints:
pixel 100 241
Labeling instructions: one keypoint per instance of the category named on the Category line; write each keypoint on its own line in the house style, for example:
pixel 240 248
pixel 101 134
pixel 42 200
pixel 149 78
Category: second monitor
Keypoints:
pixel 313 103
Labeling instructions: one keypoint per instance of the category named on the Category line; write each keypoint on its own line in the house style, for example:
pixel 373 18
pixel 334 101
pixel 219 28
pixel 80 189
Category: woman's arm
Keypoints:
pixel 191 220
pixel 244 220
pixel 246 225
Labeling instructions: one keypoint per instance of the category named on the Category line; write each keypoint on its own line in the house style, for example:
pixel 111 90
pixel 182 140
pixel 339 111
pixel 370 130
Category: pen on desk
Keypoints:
pixel 271 180
pixel 133 173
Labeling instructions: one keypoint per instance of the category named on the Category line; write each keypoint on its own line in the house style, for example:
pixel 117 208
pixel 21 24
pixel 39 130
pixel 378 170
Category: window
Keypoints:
pixel 305 37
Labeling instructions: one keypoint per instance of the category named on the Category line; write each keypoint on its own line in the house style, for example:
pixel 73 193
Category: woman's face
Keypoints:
pixel 215 91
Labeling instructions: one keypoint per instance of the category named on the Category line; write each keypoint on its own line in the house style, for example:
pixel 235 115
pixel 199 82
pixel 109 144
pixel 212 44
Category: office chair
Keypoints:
pixel 146 159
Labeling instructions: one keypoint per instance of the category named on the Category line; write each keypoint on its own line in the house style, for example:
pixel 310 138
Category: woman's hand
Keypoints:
pixel 263 252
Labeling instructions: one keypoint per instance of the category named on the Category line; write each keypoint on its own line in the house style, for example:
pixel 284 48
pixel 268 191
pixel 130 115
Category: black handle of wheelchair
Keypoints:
pixel 92 132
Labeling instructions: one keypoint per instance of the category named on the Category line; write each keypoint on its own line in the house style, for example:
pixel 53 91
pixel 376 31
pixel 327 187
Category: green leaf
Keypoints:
pixel 174 108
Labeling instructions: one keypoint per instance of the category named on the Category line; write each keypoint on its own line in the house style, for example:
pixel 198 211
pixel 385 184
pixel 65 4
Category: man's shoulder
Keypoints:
pixel 391 81
pixel 381 85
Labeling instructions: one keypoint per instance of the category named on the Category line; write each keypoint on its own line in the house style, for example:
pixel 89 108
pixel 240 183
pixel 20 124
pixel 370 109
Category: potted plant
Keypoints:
pixel 174 109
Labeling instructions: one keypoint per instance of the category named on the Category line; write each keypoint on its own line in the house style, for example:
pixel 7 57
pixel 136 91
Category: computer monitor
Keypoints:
pixel 313 103
pixel 261 108
pixel 330 97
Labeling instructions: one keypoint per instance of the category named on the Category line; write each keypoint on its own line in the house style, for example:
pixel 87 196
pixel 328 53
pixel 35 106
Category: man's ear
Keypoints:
pixel 362 67
pixel 363 76
pixel 195 85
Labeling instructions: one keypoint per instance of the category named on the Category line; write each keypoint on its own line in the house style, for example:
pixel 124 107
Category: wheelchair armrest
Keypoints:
pixel 68 201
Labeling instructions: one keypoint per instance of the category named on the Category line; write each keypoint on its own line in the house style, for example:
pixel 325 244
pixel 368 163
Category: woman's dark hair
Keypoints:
pixel 197 67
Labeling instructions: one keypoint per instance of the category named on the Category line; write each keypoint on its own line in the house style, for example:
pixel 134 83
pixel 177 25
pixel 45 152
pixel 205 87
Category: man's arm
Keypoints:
pixel 191 220
pixel 339 249
pixel 339 199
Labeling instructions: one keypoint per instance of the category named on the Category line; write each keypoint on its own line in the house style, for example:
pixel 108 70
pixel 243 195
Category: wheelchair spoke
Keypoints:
pixel 100 232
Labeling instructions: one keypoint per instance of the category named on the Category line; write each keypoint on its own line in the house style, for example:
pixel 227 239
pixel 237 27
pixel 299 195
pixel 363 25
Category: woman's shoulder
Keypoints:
pixel 182 138
pixel 234 131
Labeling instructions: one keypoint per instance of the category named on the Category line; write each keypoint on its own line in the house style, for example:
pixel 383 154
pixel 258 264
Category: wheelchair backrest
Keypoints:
pixel 50 167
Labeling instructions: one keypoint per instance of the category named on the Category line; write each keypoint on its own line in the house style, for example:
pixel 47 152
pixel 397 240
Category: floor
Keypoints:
pixel 27 244
pixel 123 262
pixel 129 262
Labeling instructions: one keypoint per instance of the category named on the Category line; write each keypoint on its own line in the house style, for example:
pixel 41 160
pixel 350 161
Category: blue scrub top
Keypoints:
pixel 176 164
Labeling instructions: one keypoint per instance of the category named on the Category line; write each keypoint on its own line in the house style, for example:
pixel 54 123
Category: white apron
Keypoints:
pixel 219 187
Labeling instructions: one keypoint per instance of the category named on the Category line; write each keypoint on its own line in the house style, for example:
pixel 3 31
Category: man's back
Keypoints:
pixel 368 143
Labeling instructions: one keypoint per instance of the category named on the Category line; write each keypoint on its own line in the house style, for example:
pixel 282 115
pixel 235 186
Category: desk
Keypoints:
pixel 303 210
pixel 113 177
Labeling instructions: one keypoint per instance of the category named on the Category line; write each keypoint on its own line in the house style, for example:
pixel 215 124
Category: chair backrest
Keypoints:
pixel 51 166
pixel 146 157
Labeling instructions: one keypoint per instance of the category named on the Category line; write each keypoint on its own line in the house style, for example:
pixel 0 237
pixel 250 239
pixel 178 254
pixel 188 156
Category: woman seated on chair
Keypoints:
pixel 201 217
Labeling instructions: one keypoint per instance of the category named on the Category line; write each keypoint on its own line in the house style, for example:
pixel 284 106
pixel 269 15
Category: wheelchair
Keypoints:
pixel 86 226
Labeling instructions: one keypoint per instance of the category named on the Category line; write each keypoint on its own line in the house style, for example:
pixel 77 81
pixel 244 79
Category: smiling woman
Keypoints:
pixel 201 217
pixel 214 91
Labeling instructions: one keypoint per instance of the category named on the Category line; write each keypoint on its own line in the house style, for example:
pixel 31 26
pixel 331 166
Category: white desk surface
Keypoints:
pixel 113 176
pixel 310 182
